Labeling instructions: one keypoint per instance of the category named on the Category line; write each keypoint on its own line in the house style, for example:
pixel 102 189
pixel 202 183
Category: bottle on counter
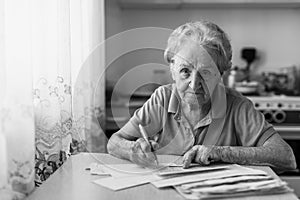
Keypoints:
pixel 232 77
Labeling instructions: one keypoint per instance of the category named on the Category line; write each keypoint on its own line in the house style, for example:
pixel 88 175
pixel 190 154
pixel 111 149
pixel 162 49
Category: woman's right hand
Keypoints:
pixel 141 153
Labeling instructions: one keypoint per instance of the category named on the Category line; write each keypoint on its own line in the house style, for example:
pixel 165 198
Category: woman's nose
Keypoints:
pixel 195 81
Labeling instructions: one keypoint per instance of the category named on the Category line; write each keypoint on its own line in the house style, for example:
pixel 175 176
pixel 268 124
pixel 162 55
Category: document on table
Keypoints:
pixel 196 182
pixel 225 180
pixel 125 182
pixel 120 170
pixel 233 181
pixel 232 170
pixel 246 188
pixel 178 170
pixel 129 175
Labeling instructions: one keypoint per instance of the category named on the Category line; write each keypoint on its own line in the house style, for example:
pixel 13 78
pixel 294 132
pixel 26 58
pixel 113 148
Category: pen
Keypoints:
pixel 145 136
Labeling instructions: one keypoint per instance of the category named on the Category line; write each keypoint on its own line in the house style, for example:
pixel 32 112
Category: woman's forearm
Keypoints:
pixel 120 147
pixel 282 158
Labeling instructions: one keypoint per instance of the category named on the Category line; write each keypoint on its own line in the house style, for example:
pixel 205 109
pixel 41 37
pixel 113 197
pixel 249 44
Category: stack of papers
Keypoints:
pixel 196 182
pixel 232 181
pixel 123 176
pixel 234 190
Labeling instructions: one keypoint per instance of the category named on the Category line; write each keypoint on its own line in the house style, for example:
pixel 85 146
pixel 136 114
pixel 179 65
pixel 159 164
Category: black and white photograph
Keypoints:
pixel 149 99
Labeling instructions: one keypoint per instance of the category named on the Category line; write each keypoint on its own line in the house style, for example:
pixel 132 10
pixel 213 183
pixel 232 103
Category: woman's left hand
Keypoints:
pixel 200 154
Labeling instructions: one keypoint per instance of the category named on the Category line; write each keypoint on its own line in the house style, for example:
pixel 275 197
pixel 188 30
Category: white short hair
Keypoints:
pixel 209 35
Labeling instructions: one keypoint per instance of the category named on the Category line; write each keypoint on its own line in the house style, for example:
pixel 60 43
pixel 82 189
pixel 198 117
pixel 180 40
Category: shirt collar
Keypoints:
pixel 174 103
pixel 219 102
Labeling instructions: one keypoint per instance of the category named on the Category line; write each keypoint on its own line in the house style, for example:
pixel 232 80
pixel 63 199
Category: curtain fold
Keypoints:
pixel 51 84
pixel 52 80
pixel 16 106
pixel 67 121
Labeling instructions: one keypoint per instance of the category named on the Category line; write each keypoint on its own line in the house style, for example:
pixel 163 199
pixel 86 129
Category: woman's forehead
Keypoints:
pixel 195 55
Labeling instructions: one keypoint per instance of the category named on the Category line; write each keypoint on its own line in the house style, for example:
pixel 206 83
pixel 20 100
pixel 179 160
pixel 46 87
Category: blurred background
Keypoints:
pixel 264 37
pixel 266 65
pixel 74 71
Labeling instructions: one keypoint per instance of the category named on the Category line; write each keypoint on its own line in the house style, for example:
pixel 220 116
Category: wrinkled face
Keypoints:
pixel 195 74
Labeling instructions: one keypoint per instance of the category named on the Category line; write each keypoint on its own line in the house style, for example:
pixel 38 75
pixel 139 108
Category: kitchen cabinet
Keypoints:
pixel 242 3
pixel 177 4
pixel 149 3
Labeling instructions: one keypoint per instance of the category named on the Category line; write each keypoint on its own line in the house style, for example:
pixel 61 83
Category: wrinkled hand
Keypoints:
pixel 141 153
pixel 200 154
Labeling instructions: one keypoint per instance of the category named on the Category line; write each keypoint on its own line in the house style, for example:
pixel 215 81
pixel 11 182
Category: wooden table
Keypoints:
pixel 72 181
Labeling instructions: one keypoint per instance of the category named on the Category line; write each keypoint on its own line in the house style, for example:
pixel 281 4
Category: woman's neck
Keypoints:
pixel 194 113
pixel 196 108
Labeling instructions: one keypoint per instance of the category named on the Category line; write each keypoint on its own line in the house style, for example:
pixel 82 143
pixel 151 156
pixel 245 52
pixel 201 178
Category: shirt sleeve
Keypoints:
pixel 250 125
pixel 149 116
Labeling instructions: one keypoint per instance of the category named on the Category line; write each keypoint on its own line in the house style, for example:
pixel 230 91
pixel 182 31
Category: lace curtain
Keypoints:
pixel 52 80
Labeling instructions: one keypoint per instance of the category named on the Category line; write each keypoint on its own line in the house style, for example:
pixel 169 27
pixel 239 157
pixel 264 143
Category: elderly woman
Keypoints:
pixel 195 116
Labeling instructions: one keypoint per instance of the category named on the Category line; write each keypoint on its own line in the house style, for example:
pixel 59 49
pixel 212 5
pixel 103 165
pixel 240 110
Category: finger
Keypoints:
pixel 145 146
pixel 205 159
pixel 198 158
pixel 188 157
pixel 137 151
pixel 202 156
pixel 143 155
pixel 142 158
pixel 152 157
pixel 156 137
pixel 208 155
pixel 154 145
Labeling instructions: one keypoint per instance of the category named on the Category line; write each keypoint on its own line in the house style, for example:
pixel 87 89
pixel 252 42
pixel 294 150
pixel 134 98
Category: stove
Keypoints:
pixel 281 111
pixel 284 113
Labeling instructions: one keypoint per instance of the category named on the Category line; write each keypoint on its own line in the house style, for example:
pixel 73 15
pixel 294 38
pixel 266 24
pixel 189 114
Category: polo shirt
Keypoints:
pixel 161 117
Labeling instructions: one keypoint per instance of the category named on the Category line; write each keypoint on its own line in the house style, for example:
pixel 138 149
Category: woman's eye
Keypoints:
pixel 206 73
pixel 185 72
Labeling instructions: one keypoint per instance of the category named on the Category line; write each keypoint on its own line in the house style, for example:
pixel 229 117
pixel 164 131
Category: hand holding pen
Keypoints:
pixel 145 136
pixel 143 150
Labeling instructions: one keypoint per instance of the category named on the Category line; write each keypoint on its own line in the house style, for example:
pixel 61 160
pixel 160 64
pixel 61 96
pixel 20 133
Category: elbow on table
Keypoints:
pixel 292 165
pixel 289 160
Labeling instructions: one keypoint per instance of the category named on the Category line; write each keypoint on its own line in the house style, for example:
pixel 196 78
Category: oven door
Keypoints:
pixel 291 134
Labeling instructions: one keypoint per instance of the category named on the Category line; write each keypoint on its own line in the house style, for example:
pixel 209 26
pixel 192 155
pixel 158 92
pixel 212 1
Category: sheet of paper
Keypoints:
pixel 178 170
pixel 240 187
pixel 226 180
pixel 255 187
pixel 131 169
pixel 232 170
pixel 119 170
pixel 197 196
pixel 181 165
pixel 128 170
pixel 125 182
